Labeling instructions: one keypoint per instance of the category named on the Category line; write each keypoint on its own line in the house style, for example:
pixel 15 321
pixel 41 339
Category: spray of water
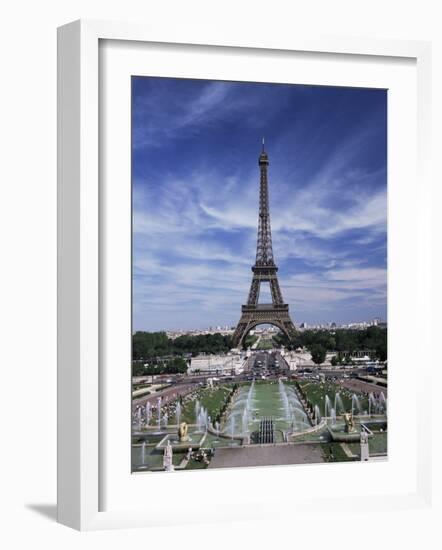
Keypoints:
pixel 327 406
pixel 159 412
pixel 339 405
pixel 317 415
pixel 355 405
pixel 178 413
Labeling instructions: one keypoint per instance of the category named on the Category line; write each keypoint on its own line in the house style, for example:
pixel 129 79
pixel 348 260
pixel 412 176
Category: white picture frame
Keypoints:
pixel 80 394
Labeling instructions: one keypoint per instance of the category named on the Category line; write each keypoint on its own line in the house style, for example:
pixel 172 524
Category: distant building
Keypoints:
pixel 218 364
pixel 292 362
pixel 359 356
pixel 297 359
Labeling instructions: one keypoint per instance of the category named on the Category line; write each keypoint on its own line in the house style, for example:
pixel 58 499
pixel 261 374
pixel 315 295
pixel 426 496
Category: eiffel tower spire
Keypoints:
pixel 264 270
pixel 264 250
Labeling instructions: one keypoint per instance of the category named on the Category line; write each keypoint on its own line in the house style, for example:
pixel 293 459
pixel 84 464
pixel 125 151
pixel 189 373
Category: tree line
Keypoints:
pixel 318 342
pixel 176 365
pixel 149 345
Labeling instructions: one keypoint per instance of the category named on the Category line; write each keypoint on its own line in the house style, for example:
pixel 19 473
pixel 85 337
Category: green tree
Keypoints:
pixel 151 345
pixel 138 369
pixel 175 366
pixel 381 351
pixel 318 353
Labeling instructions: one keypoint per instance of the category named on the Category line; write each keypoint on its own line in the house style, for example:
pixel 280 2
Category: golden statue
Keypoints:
pixel 182 432
pixel 349 422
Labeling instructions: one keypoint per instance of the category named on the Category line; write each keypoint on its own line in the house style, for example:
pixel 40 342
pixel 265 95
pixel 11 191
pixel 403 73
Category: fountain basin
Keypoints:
pixel 195 441
pixel 274 400
pixel 339 435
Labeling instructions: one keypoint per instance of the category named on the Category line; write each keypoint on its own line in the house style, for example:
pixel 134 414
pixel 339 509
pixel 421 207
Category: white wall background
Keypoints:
pixel 28 253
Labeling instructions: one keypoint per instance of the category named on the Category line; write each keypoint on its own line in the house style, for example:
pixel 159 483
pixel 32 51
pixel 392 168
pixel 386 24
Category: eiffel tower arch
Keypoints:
pixel 264 271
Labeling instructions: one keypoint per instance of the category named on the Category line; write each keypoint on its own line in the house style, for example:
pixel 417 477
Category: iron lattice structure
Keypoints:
pixel 264 270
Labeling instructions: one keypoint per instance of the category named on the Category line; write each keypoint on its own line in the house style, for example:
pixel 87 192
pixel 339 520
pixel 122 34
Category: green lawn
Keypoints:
pixel 378 443
pixel 333 452
pixel 316 392
pixel 211 399
pixel 250 340
pixel 265 344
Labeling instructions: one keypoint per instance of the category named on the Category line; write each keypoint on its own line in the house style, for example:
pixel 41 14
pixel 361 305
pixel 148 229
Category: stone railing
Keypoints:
pixel 311 430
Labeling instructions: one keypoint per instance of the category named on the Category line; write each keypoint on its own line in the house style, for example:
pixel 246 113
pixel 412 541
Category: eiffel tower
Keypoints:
pixel 264 270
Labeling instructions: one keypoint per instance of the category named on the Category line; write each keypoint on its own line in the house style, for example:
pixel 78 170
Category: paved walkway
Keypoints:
pixel 169 394
pixel 266 455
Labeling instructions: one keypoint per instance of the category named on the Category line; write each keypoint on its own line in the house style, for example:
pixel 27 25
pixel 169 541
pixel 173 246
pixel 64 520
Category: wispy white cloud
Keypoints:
pixel 195 225
pixel 186 223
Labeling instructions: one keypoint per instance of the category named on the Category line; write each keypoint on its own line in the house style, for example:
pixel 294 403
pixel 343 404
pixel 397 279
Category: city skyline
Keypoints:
pixel 302 325
pixel 195 200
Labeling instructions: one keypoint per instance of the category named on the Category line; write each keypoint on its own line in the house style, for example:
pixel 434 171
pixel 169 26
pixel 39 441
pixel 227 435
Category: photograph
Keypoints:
pixel 221 229
pixel 259 274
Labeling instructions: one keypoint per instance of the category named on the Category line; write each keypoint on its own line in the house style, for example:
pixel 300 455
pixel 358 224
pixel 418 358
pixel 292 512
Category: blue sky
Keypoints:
pixel 195 178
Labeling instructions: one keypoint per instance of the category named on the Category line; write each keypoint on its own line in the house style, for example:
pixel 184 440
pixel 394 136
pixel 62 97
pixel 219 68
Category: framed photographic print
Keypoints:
pixel 267 390
pixel 237 238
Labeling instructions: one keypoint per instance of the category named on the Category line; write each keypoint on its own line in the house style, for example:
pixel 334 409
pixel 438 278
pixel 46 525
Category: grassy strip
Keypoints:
pixel 265 344
pixel 333 452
